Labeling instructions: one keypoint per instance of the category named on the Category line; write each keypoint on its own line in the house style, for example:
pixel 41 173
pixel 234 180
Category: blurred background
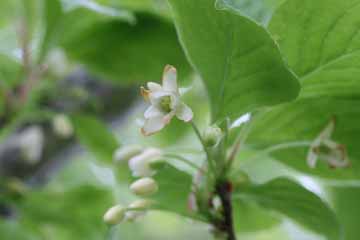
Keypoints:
pixel 70 71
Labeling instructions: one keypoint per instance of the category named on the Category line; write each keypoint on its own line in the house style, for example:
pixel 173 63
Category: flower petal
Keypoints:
pixel 183 112
pixel 145 93
pixel 154 87
pixel 153 125
pixel 169 79
pixel 328 130
pixel 167 118
pixel 152 112
pixel 312 158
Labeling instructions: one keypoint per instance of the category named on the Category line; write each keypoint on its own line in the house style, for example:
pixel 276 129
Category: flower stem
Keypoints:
pixel 110 232
pixel 184 160
pixel 208 155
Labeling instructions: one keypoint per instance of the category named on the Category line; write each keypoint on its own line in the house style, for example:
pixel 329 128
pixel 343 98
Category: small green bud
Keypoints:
pixel 124 154
pixel 144 187
pixel 212 135
pixel 115 215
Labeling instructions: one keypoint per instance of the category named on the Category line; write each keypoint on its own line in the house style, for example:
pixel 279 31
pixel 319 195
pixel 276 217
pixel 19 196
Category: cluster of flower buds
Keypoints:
pixel 139 160
pixel 325 149
pixel 136 210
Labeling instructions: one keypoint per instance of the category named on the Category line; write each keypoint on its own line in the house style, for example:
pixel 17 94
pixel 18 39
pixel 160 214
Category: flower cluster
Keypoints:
pixel 134 211
pixel 139 161
pixel 324 148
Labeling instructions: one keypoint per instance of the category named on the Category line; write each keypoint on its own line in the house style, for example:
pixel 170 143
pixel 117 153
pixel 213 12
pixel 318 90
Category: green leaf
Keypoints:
pixel 294 201
pixel 53 14
pixel 174 189
pixel 98 8
pixel 125 53
pixel 260 11
pixel 346 205
pixel 95 136
pixel 324 54
pixel 68 212
pixel 239 62
pixel 303 121
pixel 159 7
pixel 9 71
pixel 248 217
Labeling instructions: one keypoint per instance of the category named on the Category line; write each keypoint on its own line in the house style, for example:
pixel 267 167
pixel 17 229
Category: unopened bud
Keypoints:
pixel 144 187
pixel 212 135
pixel 140 164
pixel 62 126
pixel 124 154
pixel 115 215
pixel 139 211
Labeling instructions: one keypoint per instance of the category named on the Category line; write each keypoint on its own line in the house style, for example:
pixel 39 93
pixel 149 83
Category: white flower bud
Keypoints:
pixel 125 153
pixel 212 135
pixel 133 215
pixel 114 215
pixel 62 126
pixel 144 187
pixel 140 164
pixel 31 143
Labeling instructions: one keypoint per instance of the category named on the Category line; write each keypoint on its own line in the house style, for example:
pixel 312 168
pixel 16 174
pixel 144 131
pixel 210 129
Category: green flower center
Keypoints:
pixel 165 104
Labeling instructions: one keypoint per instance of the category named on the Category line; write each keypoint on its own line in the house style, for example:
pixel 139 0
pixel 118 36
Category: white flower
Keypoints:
pixel 114 215
pixel 324 148
pixel 165 103
pixel 125 153
pixel 62 126
pixel 144 187
pixel 133 215
pixel 140 164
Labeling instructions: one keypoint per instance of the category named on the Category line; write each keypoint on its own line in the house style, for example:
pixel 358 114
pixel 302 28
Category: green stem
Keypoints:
pixel 184 160
pixel 208 155
pixel 110 233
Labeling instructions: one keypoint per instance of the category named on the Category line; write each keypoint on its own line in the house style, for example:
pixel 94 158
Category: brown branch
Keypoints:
pixel 226 225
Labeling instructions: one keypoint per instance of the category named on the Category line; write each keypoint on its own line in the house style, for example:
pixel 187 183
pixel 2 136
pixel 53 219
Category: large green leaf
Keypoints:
pixel 248 217
pixel 127 53
pixel 294 201
pixel 240 64
pixel 325 56
pixel 260 11
pixel 95 135
pixel 302 121
pixel 346 204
